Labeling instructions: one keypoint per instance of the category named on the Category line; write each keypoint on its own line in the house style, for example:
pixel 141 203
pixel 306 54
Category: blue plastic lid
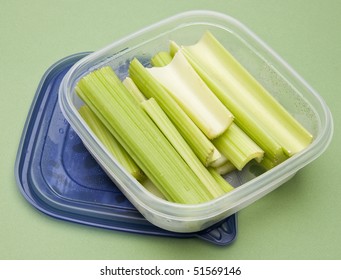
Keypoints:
pixel 58 176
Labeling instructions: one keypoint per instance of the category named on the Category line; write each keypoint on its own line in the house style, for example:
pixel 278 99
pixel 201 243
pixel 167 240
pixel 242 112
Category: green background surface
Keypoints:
pixel 299 220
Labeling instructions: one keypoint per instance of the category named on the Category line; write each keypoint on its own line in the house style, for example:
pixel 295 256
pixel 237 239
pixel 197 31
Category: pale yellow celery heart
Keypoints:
pixel 255 110
pixel 193 95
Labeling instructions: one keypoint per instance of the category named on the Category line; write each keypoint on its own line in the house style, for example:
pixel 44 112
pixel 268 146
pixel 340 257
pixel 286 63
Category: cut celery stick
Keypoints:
pixel 220 161
pixel 238 147
pixel 255 110
pixel 174 137
pixel 193 96
pixel 226 186
pixel 199 143
pixel 130 85
pixel 164 58
pixel 225 168
pixel 117 109
pixel 110 143
pixel 160 118
pixel 161 59
pixel 163 62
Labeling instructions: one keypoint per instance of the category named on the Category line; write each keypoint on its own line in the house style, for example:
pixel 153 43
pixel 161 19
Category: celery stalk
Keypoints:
pixel 255 110
pixel 173 48
pixel 193 96
pixel 160 118
pixel 220 180
pixel 133 89
pixel 174 137
pixel 108 98
pixel 220 161
pixel 110 143
pixel 150 87
pixel 149 186
pixel 238 147
pixel 233 144
pixel 161 58
pixel 224 168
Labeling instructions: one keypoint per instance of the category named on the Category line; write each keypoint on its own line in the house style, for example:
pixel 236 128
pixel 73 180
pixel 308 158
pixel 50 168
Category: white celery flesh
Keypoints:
pixel 193 95
pixel 234 145
pixel 255 110
pixel 150 87
pixel 108 98
pixel 174 137
pixel 110 143
pixel 238 147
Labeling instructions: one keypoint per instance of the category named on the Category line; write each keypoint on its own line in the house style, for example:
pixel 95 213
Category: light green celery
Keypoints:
pixel 220 161
pixel 150 87
pixel 161 58
pixel 223 165
pixel 193 96
pixel 160 118
pixel 149 186
pixel 109 99
pixel 226 186
pixel 225 168
pixel 133 89
pixel 174 137
pixel 238 147
pixel 173 48
pixel 164 59
pixel 110 143
pixel 255 110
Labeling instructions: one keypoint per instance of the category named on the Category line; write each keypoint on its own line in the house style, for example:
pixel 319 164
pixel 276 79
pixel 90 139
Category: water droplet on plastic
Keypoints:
pixel 61 131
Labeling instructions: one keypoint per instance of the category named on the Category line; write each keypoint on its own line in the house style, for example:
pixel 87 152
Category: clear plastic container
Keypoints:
pixel 263 63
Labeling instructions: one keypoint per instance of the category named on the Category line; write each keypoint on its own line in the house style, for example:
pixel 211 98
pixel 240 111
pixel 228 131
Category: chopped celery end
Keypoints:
pixel 220 161
pixel 238 147
pixel 110 143
pixel 257 112
pixel 193 96
pixel 150 87
pixel 109 99
pixel 161 59
pixel 225 168
pixel 174 137
pixel 269 162
pixel 226 186
pixel 134 90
